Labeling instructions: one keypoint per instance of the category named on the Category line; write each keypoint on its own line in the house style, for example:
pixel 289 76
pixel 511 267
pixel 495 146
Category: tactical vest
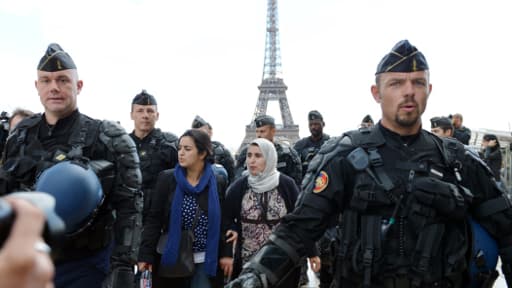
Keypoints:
pixel 33 159
pixel 154 157
pixel 307 149
pixel 288 162
pixel 385 235
pixel 219 153
pixel 223 157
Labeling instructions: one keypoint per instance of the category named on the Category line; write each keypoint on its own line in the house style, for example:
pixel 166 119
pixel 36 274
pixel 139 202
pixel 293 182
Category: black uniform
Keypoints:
pixel 463 134
pixel 288 162
pixel 405 203
pixel 4 130
pixel 35 146
pixel 157 152
pixel 307 149
pixel 223 157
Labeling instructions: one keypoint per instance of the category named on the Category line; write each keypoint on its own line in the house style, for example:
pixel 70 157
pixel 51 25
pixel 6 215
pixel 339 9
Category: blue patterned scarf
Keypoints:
pixel 173 242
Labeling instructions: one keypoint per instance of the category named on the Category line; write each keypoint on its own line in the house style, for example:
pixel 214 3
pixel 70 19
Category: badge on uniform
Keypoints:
pixel 321 182
pixel 59 155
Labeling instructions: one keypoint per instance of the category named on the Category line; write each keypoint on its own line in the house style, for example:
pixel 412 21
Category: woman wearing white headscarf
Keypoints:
pixel 256 202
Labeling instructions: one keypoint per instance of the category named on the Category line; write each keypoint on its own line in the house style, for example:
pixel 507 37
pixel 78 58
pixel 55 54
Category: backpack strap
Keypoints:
pixel 87 129
pixel 20 132
pixel 369 139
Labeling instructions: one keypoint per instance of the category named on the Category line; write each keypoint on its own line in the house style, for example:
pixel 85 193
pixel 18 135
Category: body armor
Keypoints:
pixel 223 157
pixel 405 213
pixel 307 149
pixel 157 152
pixel 35 146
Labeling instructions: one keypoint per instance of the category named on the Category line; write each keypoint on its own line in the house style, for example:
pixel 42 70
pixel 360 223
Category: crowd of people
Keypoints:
pixel 388 204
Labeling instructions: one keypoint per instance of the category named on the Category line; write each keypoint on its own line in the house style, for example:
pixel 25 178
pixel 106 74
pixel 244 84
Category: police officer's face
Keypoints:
pixel 456 121
pixel 441 133
pixel 144 117
pixel 58 91
pixel 403 99
pixel 255 160
pixel 316 127
pixel 188 155
pixel 266 132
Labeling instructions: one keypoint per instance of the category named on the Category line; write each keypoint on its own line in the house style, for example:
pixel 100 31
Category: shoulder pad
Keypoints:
pixel 329 150
pixel 299 144
pixel 112 128
pixel 454 149
pixel 29 122
pixel 472 155
pixel 170 137
pixel 285 148
pixel 470 150
pixel 366 137
pixel 219 149
pixel 217 144
pixel 333 142
pixel 24 124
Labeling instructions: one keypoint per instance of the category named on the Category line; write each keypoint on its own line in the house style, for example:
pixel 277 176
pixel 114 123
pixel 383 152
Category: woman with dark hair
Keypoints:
pixel 187 197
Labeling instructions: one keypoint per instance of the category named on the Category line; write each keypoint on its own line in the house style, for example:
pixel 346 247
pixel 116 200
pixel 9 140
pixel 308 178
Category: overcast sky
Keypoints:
pixel 206 57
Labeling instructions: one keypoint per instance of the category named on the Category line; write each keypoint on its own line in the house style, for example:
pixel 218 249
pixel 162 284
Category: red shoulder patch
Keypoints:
pixel 321 182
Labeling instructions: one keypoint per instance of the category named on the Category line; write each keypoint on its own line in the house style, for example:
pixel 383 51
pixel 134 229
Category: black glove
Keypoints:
pixel 119 277
pixel 442 196
pixel 246 280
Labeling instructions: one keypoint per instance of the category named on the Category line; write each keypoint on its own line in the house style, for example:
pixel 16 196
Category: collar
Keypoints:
pixel 405 140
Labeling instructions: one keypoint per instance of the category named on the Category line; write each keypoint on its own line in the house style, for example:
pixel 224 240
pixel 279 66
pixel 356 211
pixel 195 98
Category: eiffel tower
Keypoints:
pixel 272 87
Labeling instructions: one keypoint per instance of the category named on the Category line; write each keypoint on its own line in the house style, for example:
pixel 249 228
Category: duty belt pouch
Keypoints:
pixel 184 266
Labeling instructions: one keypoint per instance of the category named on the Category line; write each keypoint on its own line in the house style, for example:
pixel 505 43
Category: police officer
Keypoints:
pixel 307 147
pixel 288 160
pixel 404 194
pixel 17 115
pixel 367 121
pixel 441 126
pixel 157 149
pixel 461 132
pixel 63 133
pixel 221 154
